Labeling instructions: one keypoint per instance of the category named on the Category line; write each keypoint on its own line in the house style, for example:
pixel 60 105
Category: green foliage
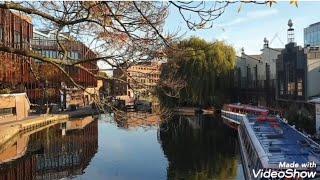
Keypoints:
pixel 202 65
pixel 301 118
pixel 102 74
pixel 5 91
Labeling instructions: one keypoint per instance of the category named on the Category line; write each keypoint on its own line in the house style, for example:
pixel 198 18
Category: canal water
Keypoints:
pixel 181 148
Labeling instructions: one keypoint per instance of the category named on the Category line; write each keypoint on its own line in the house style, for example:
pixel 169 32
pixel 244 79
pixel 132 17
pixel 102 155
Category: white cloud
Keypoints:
pixel 236 21
pixel 252 15
pixel 262 13
pixel 223 36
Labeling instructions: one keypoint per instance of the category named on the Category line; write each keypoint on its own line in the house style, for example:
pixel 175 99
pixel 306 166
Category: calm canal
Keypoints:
pixel 182 148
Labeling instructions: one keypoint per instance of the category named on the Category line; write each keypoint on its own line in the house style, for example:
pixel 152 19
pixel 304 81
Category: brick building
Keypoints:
pixel 137 81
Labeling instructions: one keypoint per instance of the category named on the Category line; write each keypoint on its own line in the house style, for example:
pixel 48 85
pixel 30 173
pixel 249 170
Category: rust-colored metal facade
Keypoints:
pixel 16 32
pixel 50 48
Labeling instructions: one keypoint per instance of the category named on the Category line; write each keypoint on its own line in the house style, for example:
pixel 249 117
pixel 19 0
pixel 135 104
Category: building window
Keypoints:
pixel 281 87
pixel 17 39
pixel 7 111
pixel 47 54
pixel 1 34
pixel 291 88
pixel 25 43
pixel 300 87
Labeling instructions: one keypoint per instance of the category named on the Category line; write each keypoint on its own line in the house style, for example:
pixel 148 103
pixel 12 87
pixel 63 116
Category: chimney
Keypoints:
pixel 290 32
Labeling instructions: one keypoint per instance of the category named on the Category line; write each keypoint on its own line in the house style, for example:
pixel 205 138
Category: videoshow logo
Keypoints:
pixel 290 172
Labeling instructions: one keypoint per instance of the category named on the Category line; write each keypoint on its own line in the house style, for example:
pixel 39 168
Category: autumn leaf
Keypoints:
pixel 294 2
pixel 270 2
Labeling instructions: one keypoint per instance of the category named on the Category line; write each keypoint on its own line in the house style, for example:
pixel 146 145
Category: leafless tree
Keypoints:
pixel 121 33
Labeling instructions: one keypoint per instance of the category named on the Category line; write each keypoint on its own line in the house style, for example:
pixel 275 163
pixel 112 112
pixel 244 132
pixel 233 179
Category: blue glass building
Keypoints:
pixel 312 35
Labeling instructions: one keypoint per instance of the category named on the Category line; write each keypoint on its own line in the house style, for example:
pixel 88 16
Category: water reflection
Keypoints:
pixel 200 148
pixel 134 147
pixel 62 150
pixel 132 120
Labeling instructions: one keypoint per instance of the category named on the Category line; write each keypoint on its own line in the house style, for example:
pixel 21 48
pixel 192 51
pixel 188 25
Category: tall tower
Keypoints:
pixel 290 32
pixel 266 43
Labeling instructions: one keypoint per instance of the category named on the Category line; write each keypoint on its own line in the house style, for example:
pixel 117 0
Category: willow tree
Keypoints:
pixel 198 66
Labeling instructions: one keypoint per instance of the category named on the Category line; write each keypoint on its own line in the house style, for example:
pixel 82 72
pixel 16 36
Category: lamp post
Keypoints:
pixel 46 95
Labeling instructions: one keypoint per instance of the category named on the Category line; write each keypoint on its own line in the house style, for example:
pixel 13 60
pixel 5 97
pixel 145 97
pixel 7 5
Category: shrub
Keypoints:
pixel 5 91
pixel 301 118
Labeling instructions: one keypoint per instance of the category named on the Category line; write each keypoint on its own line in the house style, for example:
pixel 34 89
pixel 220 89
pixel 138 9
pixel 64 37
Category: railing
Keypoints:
pixel 232 116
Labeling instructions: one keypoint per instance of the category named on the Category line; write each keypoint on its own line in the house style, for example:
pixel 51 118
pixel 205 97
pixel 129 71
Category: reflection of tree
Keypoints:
pixel 136 119
pixel 199 153
pixel 50 155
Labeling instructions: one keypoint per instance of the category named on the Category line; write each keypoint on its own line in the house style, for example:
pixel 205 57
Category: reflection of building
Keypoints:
pixel 14 106
pixel 24 168
pixel 14 150
pixel 137 80
pixel 78 123
pixel 51 154
pixel 312 35
pixel 255 76
pixel 316 101
pixel 69 154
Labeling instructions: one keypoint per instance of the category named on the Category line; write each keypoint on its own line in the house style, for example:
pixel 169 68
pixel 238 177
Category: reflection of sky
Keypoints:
pixel 126 154
pixel 240 174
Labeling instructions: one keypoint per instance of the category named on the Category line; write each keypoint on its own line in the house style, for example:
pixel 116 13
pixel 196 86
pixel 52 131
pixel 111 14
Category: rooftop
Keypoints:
pixel 255 57
pixel 282 143
pixel 314 24
pixel 21 15
pixel 276 49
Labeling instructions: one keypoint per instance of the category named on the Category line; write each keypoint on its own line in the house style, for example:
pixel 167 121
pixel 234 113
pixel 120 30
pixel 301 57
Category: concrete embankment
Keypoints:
pixel 7 133
pixel 11 128
pixel 82 112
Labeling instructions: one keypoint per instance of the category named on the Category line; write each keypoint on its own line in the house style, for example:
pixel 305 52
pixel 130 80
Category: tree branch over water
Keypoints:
pixel 121 34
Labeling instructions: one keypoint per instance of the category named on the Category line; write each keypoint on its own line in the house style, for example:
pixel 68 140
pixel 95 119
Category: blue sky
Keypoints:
pixel 248 28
